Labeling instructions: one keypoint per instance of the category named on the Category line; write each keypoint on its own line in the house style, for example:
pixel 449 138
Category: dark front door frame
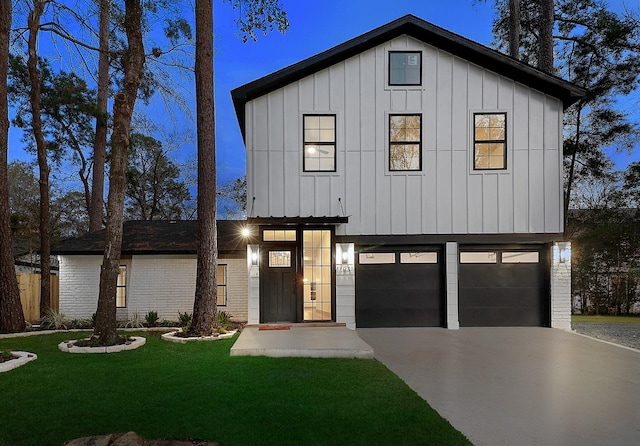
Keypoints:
pixel 279 286
pixel 297 249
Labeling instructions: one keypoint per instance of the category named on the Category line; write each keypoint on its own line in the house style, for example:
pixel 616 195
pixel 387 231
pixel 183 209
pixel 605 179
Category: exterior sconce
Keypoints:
pixel 246 231
pixel 344 258
pixel 564 252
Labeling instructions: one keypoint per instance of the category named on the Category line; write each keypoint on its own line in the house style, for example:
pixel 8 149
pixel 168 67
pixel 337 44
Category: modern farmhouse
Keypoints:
pixel 407 177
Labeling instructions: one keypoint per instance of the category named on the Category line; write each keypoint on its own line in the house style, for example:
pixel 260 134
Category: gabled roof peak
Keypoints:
pixel 418 29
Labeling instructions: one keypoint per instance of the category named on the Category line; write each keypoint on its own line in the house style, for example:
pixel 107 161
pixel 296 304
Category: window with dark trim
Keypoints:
pixel 405 145
pixel 405 68
pixel 319 143
pixel 121 287
pixel 490 141
pixel 221 298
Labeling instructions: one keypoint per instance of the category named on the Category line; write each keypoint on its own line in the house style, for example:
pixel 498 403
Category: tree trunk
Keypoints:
pixel 133 63
pixel 514 28
pixel 43 165
pixel 204 307
pixel 547 19
pixel 100 143
pixel 11 314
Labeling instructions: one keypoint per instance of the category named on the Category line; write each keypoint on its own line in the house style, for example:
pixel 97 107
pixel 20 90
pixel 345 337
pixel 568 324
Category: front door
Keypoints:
pixel 278 284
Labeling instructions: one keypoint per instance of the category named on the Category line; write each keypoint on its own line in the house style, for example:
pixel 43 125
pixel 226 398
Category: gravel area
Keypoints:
pixel 623 334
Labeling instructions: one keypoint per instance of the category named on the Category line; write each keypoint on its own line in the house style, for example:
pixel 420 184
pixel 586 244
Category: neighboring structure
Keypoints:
pixel 407 177
pixel 157 272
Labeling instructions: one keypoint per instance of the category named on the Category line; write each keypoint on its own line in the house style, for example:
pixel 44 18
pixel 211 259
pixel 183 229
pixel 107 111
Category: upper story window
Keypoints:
pixel 405 142
pixel 319 143
pixel 405 68
pixel 490 141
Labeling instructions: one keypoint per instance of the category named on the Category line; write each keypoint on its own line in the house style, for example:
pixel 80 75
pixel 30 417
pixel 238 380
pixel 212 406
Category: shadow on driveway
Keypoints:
pixel 519 386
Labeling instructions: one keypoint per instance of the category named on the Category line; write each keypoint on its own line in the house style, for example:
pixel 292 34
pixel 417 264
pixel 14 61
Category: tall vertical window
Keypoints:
pixel 317 274
pixel 405 68
pixel 121 288
pixel 490 141
pixel 405 146
pixel 319 143
pixel 222 285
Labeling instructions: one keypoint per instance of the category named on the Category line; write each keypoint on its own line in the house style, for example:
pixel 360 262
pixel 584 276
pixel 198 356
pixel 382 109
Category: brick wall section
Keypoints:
pixel 560 292
pixel 451 266
pixel 79 285
pixel 162 283
pixel 346 297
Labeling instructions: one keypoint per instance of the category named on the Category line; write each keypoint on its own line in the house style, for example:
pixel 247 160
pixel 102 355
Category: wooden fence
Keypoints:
pixel 29 285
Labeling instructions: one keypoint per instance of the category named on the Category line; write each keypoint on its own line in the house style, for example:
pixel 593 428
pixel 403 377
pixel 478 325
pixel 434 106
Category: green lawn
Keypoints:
pixel 167 390
pixel 606 319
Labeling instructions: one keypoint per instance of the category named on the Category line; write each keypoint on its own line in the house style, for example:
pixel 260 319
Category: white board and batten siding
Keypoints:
pixel 446 196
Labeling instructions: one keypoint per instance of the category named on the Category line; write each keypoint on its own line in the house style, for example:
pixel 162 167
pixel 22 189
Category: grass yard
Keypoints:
pixel 168 390
pixel 605 319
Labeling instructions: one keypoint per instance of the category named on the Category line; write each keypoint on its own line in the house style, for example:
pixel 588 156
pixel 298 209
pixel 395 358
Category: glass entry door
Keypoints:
pixel 317 275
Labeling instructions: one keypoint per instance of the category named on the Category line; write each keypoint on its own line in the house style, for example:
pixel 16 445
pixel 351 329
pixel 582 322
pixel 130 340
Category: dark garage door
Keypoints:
pixel 399 288
pixel 503 288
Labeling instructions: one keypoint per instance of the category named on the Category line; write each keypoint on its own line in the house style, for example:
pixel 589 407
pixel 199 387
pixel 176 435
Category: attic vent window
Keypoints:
pixel 405 68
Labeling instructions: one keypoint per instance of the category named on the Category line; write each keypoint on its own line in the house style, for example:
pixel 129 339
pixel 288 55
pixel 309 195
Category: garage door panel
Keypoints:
pixel 509 294
pixel 500 317
pixel 501 297
pixel 399 294
pixel 491 276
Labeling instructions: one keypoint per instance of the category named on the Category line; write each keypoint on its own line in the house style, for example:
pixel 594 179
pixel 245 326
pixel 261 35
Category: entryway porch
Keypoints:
pixel 309 340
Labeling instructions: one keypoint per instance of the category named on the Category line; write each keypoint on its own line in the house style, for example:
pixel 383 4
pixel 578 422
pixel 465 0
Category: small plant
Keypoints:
pixel 134 322
pixel 152 318
pixel 224 318
pixel 80 324
pixel 184 319
pixel 6 355
pixel 53 320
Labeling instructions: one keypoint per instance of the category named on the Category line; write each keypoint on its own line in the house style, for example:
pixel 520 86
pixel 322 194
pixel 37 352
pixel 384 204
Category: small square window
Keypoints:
pixel 405 68
pixel 319 143
pixel 490 141
pixel 405 146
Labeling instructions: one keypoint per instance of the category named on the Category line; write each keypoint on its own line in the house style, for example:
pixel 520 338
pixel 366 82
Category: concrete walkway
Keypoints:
pixel 298 340
pixel 519 386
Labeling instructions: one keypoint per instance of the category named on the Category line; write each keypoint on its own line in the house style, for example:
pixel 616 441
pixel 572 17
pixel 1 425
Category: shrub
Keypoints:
pixel 184 319
pixel 152 318
pixel 53 320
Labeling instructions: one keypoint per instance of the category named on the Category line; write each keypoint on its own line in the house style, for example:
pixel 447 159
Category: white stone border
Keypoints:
pixel 23 358
pixel 171 337
pixel 69 346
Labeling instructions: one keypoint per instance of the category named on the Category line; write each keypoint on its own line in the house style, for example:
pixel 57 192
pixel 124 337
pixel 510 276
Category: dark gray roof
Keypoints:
pixel 421 30
pixel 157 237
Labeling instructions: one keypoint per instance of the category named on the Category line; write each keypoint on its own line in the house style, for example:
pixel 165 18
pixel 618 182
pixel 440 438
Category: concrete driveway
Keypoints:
pixel 519 386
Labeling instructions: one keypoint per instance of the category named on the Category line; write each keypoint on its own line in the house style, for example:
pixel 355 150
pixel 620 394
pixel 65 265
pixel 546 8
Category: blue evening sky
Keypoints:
pixel 315 26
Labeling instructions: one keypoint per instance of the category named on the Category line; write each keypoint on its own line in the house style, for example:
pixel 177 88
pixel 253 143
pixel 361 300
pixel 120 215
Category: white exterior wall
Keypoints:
pixel 162 283
pixel 560 290
pixel 447 196
pixel 79 285
pixel 451 265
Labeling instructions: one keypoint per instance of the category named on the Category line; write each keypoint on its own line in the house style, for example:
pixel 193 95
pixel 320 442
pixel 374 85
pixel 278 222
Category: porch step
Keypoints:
pixel 302 340
pixel 277 325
